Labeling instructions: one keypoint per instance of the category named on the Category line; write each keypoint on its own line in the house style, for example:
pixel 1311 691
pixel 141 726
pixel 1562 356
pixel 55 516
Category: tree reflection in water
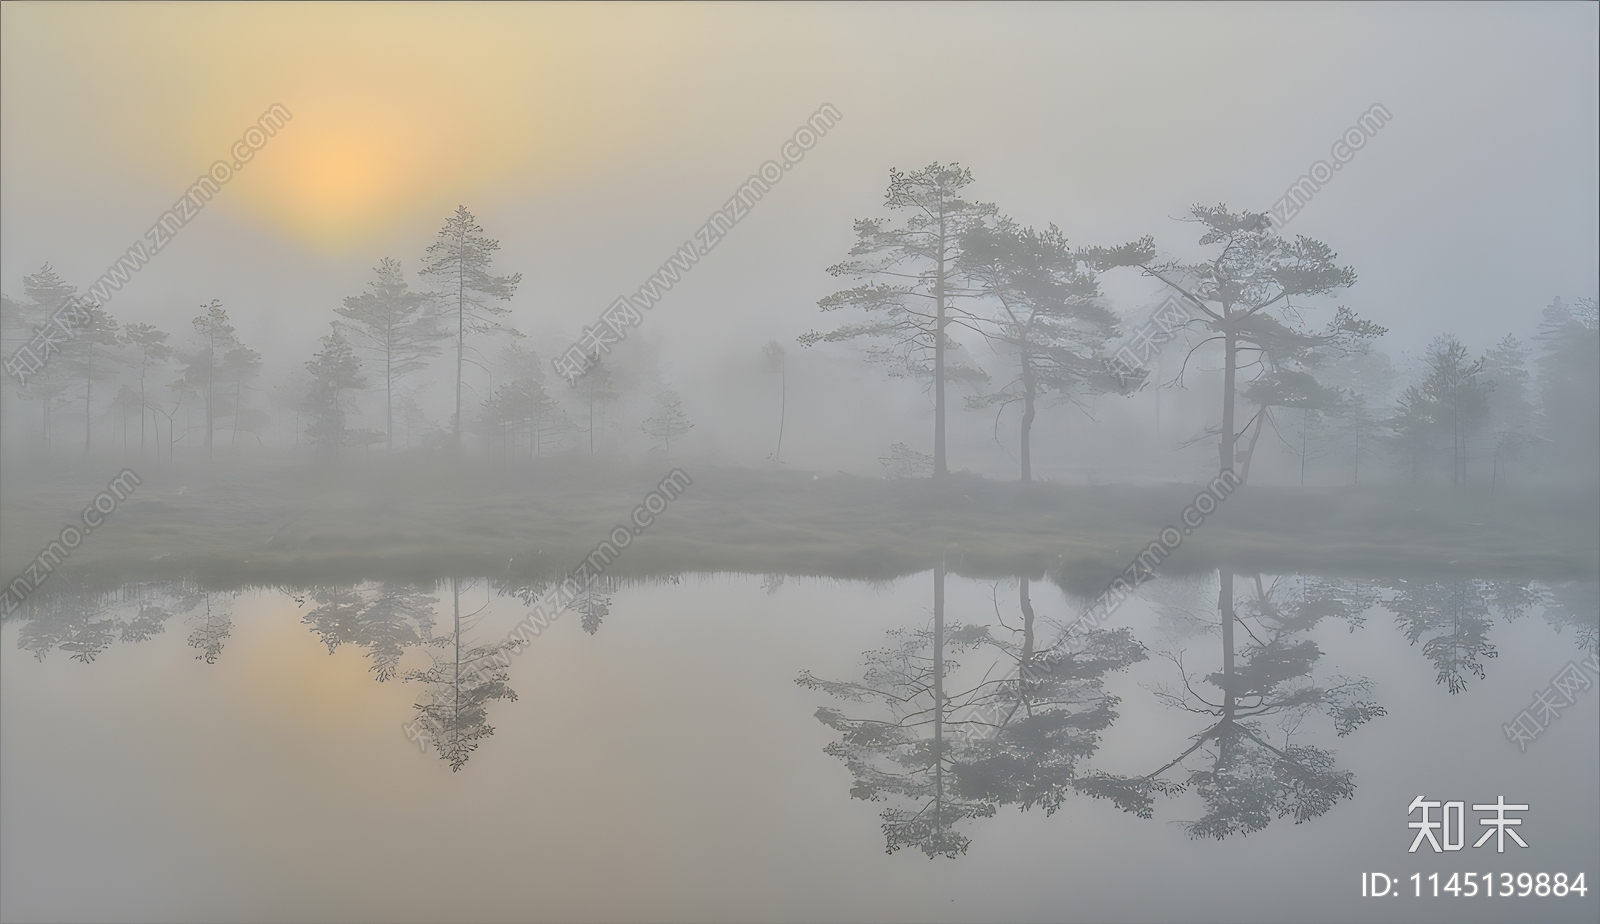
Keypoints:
pixel 935 753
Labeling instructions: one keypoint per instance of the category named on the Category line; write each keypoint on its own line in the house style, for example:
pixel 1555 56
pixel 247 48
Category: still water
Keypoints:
pixel 714 747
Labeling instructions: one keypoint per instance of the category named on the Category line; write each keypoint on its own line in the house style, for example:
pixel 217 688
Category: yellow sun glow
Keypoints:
pixel 398 109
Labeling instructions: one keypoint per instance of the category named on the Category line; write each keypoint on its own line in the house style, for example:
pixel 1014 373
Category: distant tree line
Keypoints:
pixel 944 290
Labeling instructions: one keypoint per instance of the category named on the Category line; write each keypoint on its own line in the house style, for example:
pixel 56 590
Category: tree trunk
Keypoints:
pixel 211 375
pixel 1027 629
pixel 1250 450
pixel 143 408
pixel 1027 425
pixel 461 328
pixel 1225 611
pixel 1229 377
pixel 939 467
pixel 388 401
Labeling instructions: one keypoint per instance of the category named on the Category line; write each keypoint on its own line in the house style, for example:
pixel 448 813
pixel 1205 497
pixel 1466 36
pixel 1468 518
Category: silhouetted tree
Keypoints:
pixel 1575 605
pixel 459 262
pixel 85 622
pixel 1459 395
pixel 1047 315
pixel 669 421
pixel 1051 715
pixel 96 338
pixel 334 371
pixel 395 326
pixel 1245 296
pixel 150 344
pixel 1510 414
pixel 46 293
pixel 911 275
pixel 1569 386
pixel 596 388
pixel 217 360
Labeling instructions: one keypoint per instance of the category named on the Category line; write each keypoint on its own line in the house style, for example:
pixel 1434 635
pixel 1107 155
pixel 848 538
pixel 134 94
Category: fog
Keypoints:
pixel 1033 394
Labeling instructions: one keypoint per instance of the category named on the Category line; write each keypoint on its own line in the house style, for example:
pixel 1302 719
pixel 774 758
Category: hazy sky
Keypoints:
pixel 593 141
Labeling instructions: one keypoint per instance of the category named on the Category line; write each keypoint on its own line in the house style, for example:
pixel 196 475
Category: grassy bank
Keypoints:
pixel 299 525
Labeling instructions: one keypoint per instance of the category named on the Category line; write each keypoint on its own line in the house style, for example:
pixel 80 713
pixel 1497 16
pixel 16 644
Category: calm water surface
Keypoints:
pixel 179 755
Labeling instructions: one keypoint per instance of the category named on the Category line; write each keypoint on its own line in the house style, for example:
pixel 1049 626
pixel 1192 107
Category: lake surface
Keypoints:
pixel 176 754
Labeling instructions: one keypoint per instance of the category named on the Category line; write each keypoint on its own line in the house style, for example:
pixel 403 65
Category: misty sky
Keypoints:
pixel 593 141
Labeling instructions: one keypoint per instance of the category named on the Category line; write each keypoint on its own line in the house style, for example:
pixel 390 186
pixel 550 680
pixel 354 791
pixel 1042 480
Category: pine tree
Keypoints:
pixel 1510 414
pixel 217 360
pixel 334 370
pixel 46 293
pixel 1569 386
pixel 395 326
pixel 153 349
pixel 670 421
pixel 909 286
pixel 1246 296
pixel 1047 316
pixel 1459 393
pixel 459 261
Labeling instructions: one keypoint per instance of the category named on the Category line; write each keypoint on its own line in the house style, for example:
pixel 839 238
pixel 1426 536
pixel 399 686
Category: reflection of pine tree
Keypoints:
pixel 1576 604
pixel 85 623
pixel 903 752
pixel 213 623
pixel 157 604
pixel 1247 781
pixel 593 604
pixel 1456 618
pixel 385 621
pixel 1054 710
pixel 150 621
pixel 962 754
pixel 79 623
pixel 461 682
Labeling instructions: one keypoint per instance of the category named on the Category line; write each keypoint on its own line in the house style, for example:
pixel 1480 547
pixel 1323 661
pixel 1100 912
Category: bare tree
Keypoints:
pixel 774 360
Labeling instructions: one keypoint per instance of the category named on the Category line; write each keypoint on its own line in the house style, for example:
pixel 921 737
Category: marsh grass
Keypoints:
pixel 296 525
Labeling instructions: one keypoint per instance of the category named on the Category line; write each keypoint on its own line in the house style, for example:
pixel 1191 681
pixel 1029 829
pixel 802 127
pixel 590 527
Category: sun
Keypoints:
pixel 340 172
